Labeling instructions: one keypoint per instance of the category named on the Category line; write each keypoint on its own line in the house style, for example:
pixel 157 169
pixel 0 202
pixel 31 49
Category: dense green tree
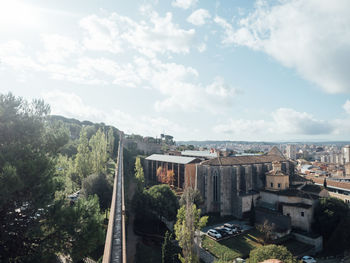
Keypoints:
pixel 188 223
pixel 169 249
pixel 83 159
pixel 66 174
pixel 163 201
pixel 98 144
pixel 110 142
pixel 74 229
pixel 100 185
pixel 26 175
pixel 139 175
pixel 340 238
pixel 328 214
pixel 262 253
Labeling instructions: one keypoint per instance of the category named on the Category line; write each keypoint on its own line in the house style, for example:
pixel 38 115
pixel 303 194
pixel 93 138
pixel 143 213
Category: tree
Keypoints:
pixel 83 158
pixel 252 213
pixel 327 216
pixel 192 194
pixel 163 201
pixel 110 142
pixel 26 175
pixel 170 177
pixel 169 250
pixel 267 230
pixel 100 185
pixel 161 175
pixel 75 230
pixel 188 222
pixel 98 144
pixel 139 175
pixel 262 253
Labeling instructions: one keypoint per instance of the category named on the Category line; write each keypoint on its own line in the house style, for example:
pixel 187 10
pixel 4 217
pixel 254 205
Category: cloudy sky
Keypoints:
pixel 195 69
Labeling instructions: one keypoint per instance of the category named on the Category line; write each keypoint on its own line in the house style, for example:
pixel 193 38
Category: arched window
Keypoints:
pixel 215 185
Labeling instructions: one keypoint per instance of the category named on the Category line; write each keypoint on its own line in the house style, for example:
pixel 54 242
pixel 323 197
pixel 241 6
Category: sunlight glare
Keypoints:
pixel 15 13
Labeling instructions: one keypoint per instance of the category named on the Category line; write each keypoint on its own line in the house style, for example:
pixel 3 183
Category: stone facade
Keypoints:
pixel 229 184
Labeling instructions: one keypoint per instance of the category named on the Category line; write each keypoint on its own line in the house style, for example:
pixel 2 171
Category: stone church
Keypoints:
pixel 229 184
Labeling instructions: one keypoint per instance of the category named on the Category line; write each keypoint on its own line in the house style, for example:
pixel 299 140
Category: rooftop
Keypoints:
pixel 293 192
pixel 171 159
pixel 236 160
pixel 202 154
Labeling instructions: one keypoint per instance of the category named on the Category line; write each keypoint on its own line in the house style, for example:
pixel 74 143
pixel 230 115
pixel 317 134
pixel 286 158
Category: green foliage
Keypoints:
pixel 100 185
pixel 188 222
pixel 26 174
pixel 262 253
pixel 83 164
pixel 99 156
pixel 66 175
pixel 169 250
pixel 75 229
pixel 163 201
pixel 110 142
pixel 139 175
pixel 328 214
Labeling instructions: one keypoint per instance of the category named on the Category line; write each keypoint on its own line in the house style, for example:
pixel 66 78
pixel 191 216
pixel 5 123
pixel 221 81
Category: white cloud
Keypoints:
pixel 101 34
pixel 284 121
pixel 289 121
pixel 346 106
pixel 185 4
pixel 202 47
pixel 199 17
pixel 116 33
pixel 309 36
pixel 181 89
pixel 58 48
pixel 72 106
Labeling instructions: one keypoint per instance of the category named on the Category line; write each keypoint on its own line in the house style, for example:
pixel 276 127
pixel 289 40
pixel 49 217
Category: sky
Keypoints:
pixel 197 70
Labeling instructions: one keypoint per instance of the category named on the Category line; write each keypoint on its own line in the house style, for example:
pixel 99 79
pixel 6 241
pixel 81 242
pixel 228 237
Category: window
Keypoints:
pixel 302 213
pixel 215 185
pixel 279 185
pixel 288 214
pixel 271 184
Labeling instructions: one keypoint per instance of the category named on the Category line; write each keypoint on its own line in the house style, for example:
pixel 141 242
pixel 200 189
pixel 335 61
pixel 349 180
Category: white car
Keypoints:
pixel 214 233
pixel 308 259
pixel 228 230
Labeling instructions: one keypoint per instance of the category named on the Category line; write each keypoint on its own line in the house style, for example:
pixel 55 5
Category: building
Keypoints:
pixel 291 151
pixel 229 184
pixel 346 153
pixel 177 164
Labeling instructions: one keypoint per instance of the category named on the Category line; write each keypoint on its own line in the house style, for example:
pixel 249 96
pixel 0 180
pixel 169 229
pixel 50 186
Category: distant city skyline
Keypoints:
pixel 198 70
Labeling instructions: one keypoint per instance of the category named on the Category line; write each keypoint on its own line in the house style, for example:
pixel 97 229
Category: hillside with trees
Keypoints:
pixel 56 179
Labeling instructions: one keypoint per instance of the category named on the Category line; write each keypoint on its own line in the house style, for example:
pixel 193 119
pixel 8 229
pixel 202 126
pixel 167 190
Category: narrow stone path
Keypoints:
pixel 131 238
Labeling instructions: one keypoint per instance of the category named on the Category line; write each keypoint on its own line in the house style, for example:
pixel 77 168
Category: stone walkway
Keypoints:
pixel 131 238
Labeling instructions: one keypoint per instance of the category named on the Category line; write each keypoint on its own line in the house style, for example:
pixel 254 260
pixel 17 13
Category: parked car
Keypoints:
pixel 221 231
pixel 308 259
pixel 228 230
pixel 214 233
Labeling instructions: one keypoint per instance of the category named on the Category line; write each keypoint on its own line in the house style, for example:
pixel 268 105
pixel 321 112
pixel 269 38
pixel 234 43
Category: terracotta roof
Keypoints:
pixel 312 188
pixel 330 183
pixel 237 160
pixel 275 151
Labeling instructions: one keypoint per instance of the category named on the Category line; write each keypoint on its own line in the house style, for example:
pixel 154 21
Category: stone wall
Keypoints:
pixel 282 221
pixel 317 241
pixel 146 148
pixel 300 217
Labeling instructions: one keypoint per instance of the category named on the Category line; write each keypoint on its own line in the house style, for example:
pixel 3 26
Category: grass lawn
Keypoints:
pixel 234 247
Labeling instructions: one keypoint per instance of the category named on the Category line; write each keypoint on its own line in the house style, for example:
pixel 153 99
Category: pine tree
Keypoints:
pixel 169 251
pixel 252 213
